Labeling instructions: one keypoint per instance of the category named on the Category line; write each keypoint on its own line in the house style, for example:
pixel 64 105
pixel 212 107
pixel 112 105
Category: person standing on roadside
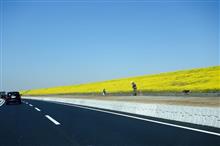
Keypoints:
pixel 104 92
pixel 134 87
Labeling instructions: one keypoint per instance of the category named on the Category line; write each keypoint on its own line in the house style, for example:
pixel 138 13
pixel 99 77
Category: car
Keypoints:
pixel 3 94
pixel 13 97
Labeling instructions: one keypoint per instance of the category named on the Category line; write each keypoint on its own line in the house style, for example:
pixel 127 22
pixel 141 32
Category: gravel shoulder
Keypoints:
pixel 169 100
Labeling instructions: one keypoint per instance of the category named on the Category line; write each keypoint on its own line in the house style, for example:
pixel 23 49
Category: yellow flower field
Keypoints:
pixel 196 80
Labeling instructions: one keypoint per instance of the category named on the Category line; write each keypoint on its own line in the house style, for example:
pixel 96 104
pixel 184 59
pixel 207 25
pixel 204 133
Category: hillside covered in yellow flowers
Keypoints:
pixel 196 80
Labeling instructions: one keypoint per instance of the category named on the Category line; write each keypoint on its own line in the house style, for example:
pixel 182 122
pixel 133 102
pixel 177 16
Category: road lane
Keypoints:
pixel 22 125
pixel 188 126
pixel 96 128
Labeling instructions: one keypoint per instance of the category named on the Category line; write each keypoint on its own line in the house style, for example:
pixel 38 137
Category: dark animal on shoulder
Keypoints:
pixel 186 91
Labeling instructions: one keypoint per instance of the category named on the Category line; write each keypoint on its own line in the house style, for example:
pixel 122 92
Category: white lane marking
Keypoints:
pixel 30 105
pixel 143 119
pixel 2 102
pixel 37 109
pixel 52 120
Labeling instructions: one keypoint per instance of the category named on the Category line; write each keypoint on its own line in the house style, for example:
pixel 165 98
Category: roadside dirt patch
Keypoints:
pixel 171 100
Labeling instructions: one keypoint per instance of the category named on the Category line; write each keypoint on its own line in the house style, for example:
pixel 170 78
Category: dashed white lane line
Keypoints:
pixel 37 109
pixel 47 116
pixel 52 120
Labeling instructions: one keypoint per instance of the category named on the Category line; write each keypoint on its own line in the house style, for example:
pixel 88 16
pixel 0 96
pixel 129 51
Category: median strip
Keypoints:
pixel 52 120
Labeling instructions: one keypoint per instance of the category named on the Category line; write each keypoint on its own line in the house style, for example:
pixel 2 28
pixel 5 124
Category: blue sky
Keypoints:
pixel 58 43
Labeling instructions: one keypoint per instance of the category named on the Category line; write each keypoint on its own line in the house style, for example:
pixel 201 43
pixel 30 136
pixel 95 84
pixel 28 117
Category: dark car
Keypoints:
pixel 3 94
pixel 13 97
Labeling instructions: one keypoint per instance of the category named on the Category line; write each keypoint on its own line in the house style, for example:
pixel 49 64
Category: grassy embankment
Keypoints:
pixel 204 80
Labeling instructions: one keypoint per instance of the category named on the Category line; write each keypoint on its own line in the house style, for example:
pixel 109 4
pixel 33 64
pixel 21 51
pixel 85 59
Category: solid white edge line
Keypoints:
pixel 37 109
pixel 52 120
pixel 143 119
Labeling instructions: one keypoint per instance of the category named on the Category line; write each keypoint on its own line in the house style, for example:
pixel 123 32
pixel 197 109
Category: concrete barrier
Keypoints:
pixel 208 116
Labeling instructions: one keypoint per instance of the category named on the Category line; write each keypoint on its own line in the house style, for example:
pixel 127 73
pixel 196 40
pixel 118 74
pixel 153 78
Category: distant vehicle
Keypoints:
pixel 3 94
pixel 13 97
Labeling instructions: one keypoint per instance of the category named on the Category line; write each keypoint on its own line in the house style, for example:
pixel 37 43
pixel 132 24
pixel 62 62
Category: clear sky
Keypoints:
pixel 56 43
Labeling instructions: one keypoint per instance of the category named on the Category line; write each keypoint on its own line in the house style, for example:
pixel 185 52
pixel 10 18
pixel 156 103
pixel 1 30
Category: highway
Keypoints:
pixel 40 123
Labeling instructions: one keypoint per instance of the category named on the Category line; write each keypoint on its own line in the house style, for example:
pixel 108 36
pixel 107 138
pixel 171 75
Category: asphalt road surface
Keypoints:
pixel 39 123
